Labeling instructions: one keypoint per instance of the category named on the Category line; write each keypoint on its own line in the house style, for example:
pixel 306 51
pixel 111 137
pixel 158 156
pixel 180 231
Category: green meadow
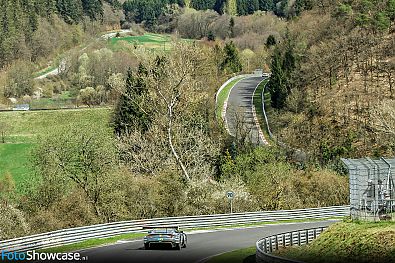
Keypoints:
pixel 148 41
pixel 24 130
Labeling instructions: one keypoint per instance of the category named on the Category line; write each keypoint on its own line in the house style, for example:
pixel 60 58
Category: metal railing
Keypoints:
pixel 78 234
pixel 267 245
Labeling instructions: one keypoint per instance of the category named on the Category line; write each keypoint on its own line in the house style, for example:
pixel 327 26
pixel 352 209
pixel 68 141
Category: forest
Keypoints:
pixel 147 127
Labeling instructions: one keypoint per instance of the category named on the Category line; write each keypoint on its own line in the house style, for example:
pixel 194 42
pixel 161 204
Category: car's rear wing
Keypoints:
pixel 162 227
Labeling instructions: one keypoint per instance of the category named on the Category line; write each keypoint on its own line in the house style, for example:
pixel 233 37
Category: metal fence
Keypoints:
pixel 267 245
pixel 372 188
pixel 75 235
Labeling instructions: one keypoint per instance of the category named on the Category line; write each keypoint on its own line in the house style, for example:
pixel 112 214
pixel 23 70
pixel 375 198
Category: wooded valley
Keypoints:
pixel 143 139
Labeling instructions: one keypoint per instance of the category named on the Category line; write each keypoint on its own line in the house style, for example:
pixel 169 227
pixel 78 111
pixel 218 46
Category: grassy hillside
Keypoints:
pixel 349 242
pixel 149 41
pixel 25 129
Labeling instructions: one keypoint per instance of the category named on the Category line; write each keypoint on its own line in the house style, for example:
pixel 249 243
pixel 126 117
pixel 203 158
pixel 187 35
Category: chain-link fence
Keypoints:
pixel 372 189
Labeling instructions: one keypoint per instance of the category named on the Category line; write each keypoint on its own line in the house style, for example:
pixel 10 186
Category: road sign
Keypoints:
pixel 230 195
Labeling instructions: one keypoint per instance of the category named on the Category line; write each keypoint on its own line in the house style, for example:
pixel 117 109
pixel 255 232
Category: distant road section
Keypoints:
pixel 62 63
pixel 240 114
pixel 201 245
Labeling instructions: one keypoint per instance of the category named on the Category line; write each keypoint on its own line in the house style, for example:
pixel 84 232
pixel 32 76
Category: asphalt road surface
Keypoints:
pixel 239 115
pixel 201 245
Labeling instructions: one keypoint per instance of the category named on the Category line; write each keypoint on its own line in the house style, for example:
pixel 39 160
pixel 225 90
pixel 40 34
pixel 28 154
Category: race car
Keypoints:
pixel 165 235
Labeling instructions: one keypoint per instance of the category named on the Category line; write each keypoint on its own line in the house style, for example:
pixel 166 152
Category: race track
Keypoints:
pixel 239 112
pixel 201 245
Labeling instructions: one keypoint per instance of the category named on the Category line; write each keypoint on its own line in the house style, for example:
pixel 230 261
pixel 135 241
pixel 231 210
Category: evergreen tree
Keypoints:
pixel 231 62
pixel 210 36
pixel 232 27
pixel 203 4
pixel 128 114
pixel 271 41
pixel 266 5
pixel 242 7
pixel 277 84
pixel 219 6
pixel 70 10
pixel 93 9
pixel 252 6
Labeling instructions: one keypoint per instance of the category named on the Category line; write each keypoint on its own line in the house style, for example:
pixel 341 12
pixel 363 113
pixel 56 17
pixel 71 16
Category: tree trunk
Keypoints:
pixel 173 150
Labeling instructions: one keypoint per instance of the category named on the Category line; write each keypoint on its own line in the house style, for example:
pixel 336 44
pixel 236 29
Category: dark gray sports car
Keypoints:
pixel 165 235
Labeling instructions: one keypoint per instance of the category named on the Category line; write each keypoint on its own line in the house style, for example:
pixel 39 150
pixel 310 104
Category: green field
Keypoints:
pixel 148 41
pixel 25 128
pixel 15 161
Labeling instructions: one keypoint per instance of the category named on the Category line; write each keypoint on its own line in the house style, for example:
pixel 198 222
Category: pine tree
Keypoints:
pixel 271 41
pixel 93 9
pixel 128 114
pixel 231 61
pixel 242 7
pixel 252 6
pixel 266 5
pixel 277 84
pixel 70 10
pixel 203 4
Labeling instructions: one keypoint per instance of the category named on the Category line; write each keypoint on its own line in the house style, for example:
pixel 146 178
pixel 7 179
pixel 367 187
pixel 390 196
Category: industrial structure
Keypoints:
pixel 372 188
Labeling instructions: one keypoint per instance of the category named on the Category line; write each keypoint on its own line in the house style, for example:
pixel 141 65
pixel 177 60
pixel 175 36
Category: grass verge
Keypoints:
pixel 349 242
pixel 91 243
pixel 244 255
pixel 223 95
pixel 44 71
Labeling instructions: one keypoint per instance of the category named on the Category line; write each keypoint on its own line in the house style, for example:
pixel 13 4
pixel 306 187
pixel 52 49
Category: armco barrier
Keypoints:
pixel 267 245
pixel 78 234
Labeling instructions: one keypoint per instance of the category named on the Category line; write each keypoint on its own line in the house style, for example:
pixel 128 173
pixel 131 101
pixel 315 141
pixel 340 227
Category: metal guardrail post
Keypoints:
pixel 298 238
pixel 307 236
pixel 292 239
pixel 276 242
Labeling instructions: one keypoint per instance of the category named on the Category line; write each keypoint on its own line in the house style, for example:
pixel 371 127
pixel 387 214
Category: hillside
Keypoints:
pixel 331 77
pixel 349 242
pixel 161 138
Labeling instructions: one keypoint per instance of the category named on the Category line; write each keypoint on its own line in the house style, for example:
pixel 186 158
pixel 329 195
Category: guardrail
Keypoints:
pixel 78 234
pixel 266 245
pixel 264 112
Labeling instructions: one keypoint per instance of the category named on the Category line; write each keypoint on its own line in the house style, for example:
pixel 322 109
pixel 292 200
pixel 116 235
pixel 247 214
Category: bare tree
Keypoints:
pixel 383 117
pixel 173 82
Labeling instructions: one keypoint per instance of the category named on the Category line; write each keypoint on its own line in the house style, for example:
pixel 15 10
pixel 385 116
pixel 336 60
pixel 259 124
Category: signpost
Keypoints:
pixel 230 195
